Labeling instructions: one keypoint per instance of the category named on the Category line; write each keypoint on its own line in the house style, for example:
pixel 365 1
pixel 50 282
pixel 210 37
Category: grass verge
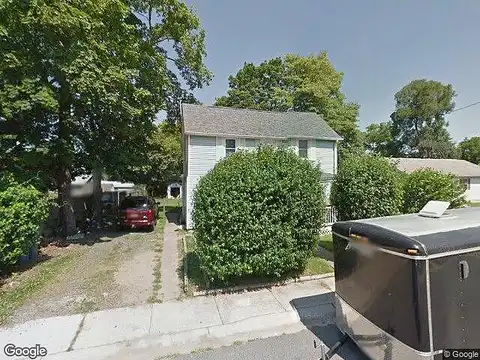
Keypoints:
pixel 316 266
pixel 32 281
pixel 157 269
pixel 326 242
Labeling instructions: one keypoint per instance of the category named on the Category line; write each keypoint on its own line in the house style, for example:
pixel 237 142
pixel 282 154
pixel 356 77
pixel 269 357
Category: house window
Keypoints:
pixel 466 182
pixel 303 148
pixel 250 143
pixel 230 146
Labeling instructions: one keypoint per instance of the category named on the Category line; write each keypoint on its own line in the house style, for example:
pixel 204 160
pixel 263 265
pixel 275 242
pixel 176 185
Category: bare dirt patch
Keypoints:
pixel 116 270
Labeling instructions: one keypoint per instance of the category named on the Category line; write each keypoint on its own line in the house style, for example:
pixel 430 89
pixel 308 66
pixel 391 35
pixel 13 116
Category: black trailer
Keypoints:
pixel 408 286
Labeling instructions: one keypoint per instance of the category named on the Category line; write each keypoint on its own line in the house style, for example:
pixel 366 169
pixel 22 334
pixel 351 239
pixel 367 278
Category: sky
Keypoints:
pixel 380 46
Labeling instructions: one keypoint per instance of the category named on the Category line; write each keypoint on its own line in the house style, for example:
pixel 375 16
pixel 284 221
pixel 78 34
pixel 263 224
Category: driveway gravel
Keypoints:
pixel 112 270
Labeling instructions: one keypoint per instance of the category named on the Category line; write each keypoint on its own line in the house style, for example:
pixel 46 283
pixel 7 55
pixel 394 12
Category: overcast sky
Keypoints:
pixel 379 47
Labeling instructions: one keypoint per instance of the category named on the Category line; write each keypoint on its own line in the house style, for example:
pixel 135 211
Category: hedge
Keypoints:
pixel 424 185
pixel 367 186
pixel 258 213
pixel 23 209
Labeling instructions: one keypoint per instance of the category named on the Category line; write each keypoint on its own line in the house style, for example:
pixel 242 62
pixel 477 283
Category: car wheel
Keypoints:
pixel 151 227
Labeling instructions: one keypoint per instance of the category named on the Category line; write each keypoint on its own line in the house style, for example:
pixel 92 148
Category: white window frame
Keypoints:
pixel 306 149
pixel 229 148
pixel 466 181
pixel 255 143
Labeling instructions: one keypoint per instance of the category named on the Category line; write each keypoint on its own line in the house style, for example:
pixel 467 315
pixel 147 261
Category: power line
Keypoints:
pixel 467 106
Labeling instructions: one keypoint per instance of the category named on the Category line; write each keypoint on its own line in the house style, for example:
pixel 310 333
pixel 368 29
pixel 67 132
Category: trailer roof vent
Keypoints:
pixel 434 209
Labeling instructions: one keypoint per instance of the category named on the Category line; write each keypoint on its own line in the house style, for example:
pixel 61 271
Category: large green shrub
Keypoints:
pixel 257 214
pixel 424 185
pixel 23 209
pixel 366 186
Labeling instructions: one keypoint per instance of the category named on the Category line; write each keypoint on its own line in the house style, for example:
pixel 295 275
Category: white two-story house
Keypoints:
pixel 210 133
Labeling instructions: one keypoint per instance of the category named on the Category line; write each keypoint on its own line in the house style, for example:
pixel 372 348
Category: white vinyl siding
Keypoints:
pixel 204 152
pixel 325 156
pixel 473 194
pixel 220 148
pixel 202 157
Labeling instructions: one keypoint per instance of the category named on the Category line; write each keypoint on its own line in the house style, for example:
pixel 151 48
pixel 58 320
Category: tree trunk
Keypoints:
pixel 97 193
pixel 64 151
pixel 67 214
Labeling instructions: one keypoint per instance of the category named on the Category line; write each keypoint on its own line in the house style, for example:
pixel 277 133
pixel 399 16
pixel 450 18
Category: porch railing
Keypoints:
pixel 330 216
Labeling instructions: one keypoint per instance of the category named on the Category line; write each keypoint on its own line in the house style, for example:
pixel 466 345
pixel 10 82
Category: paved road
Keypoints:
pixel 299 346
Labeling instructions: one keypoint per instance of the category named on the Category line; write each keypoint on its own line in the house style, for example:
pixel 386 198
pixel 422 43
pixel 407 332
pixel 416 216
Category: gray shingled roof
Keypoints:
pixel 224 121
pixel 459 168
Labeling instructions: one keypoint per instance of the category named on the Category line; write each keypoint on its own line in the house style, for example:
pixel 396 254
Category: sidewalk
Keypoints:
pixel 171 286
pixel 158 330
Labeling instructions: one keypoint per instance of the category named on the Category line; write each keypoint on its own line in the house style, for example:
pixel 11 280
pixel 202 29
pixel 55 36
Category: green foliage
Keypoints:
pixel 469 149
pixel 378 139
pixel 365 187
pixel 424 185
pixel 419 127
pixel 160 164
pixel 298 83
pixel 81 82
pixel 258 213
pixel 23 209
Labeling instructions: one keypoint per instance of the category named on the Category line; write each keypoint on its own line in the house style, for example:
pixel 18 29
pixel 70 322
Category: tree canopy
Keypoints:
pixel 419 127
pixel 378 139
pixel 81 82
pixel 469 149
pixel 160 164
pixel 296 83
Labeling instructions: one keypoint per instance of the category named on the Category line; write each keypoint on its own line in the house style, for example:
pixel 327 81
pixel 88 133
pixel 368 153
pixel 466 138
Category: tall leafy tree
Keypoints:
pixel 297 83
pixel 82 81
pixel 378 139
pixel 469 149
pixel 419 127
pixel 161 163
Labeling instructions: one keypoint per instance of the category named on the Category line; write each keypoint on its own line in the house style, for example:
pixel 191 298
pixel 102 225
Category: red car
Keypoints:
pixel 138 212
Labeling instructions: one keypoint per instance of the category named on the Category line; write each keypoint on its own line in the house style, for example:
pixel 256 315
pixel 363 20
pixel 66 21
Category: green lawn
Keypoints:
pixel 196 279
pixel 316 266
pixel 326 242
pixel 31 282
pixel 171 205
pixel 474 204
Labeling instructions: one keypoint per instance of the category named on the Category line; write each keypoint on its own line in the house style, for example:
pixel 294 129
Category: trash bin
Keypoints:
pixel 30 257
pixel 407 287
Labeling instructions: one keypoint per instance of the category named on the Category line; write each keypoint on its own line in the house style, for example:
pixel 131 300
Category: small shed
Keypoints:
pixel 174 190
pixel 407 286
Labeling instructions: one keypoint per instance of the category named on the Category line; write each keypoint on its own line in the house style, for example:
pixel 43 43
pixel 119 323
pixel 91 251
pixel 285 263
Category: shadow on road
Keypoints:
pixel 174 216
pixel 317 313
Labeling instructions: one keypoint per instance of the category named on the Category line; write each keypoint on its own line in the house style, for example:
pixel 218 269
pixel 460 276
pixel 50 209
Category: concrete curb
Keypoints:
pixel 185 265
pixel 165 345
pixel 242 288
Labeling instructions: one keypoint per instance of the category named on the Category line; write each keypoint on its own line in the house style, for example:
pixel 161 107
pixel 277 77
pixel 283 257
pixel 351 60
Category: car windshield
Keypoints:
pixel 134 203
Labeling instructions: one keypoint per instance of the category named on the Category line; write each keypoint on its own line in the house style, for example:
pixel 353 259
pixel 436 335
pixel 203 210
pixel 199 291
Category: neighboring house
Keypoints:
pixel 210 133
pixel 467 172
